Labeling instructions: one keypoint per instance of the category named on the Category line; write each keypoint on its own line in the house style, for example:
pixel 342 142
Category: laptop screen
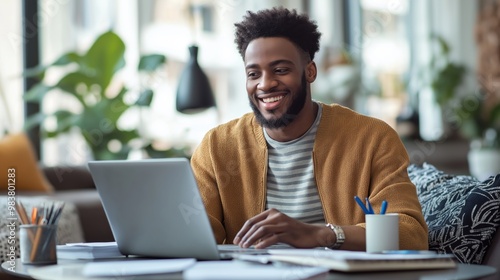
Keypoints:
pixel 154 208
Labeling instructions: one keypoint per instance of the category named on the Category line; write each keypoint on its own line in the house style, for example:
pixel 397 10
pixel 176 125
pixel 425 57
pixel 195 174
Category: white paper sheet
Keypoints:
pixel 94 244
pixel 136 267
pixel 222 270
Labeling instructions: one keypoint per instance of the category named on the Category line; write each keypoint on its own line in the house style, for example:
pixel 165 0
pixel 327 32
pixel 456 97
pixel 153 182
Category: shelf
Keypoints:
pixel 448 156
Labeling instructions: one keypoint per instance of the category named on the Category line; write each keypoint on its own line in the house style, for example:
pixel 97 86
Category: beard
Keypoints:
pixel 291 113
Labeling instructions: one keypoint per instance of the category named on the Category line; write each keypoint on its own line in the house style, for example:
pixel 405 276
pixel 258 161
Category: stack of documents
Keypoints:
pixel 348 261
pixel 88 251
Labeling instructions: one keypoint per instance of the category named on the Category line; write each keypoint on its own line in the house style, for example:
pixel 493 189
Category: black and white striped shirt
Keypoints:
pixel 291 187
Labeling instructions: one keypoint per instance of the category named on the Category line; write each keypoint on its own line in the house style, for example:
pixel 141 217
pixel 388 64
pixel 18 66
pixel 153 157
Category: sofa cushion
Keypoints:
pixel 18 163
pixel 461 212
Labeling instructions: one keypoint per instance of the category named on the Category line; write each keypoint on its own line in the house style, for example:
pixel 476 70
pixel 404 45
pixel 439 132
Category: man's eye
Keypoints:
pixel 281 70
pixel 252 74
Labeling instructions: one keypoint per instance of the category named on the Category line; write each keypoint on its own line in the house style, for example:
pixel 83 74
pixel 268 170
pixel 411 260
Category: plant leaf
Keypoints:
pixel 34 120
pixel 446 81
pixel 104 58
pixel 69 83
pixel 494 118
pixel 65 120
pixel 38 72
pixel 37 92
pixel 124 136
pixel 151 62
pixel 67 58
pixel 103 116
pixel 145 98
pixel 444 48
pixel 94 118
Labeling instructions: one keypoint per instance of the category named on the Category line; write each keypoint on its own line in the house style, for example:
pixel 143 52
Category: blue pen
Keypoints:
pixel 369 206
pixel 360 203
pixel 384 207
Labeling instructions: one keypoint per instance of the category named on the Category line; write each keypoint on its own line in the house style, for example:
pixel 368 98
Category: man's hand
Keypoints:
pixel 271 227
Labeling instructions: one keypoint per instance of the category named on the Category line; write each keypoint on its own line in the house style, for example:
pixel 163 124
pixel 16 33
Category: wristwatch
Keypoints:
pixel 339 232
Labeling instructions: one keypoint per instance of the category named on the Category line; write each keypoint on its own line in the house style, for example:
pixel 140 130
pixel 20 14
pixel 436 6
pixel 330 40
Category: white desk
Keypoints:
pixel 71 269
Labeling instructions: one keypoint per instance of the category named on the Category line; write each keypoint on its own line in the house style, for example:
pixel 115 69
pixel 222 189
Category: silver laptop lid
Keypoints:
pixel 154 208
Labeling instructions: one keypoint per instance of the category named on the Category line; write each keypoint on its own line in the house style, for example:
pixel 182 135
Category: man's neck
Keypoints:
pixel 298 126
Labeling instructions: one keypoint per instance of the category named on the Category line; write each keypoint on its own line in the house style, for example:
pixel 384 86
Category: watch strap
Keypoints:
pixel 339 233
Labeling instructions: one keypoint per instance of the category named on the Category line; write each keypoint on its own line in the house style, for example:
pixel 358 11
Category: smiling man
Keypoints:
pixel 289 171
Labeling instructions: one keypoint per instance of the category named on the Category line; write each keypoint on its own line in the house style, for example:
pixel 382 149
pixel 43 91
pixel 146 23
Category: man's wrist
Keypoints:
pixel 339 234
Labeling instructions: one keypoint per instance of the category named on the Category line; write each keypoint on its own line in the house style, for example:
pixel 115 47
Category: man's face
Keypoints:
pixel 276 82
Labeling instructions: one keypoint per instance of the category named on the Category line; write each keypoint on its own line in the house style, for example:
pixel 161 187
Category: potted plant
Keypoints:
pixel 90 80
pixel 479 122
pixel 441 80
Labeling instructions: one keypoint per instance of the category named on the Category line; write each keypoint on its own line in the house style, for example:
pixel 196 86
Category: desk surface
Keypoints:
pixel 67 269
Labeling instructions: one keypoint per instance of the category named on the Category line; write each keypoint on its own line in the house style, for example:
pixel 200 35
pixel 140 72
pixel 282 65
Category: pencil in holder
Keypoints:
pixel 38 243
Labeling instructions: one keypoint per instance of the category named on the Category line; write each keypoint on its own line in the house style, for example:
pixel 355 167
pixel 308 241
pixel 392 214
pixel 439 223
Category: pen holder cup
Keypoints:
pixel 382 232
pixel 38 244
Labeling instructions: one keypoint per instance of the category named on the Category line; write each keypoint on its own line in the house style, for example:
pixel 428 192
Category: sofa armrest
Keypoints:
pixel 69 177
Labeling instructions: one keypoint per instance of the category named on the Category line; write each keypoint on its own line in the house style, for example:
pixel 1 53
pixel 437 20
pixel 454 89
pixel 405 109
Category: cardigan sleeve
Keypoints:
pixel 201 163
pixel 390 182
pixel 357 155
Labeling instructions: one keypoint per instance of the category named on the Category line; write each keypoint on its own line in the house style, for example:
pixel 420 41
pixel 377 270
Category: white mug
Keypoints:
pixel 382 232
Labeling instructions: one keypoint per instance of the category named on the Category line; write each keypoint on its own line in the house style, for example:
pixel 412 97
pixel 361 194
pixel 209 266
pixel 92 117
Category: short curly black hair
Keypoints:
pixel 278 22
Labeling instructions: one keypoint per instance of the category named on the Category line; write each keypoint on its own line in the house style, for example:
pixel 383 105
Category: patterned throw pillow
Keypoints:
pixel 461 212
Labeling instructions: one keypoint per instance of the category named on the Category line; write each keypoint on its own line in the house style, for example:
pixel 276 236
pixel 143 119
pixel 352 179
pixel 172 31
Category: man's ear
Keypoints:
pixel 311 72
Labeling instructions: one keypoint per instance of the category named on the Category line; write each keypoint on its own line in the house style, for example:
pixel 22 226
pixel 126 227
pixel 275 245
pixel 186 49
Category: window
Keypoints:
pixel 151 26
pixel 11 87
pixel 381 41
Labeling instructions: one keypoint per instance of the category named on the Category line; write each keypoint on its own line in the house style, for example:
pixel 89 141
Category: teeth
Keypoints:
pixel 272 99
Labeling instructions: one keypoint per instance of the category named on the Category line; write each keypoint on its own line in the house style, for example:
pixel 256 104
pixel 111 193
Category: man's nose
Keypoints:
pixel 267 82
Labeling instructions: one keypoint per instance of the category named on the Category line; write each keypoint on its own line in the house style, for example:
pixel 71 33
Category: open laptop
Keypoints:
pixel 154 209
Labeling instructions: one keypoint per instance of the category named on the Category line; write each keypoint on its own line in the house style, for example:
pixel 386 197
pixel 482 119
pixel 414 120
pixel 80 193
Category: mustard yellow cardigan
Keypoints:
pixel 353 155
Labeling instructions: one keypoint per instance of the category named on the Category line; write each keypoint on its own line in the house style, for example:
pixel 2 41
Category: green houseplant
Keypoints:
pixel 445 76
pixel 480 123
pixel 440 80
pixel 89 79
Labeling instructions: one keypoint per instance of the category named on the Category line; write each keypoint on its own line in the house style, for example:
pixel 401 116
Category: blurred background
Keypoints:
pixel 428 68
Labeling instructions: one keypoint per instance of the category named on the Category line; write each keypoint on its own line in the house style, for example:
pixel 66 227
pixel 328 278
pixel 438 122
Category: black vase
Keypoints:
pixel 194 93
